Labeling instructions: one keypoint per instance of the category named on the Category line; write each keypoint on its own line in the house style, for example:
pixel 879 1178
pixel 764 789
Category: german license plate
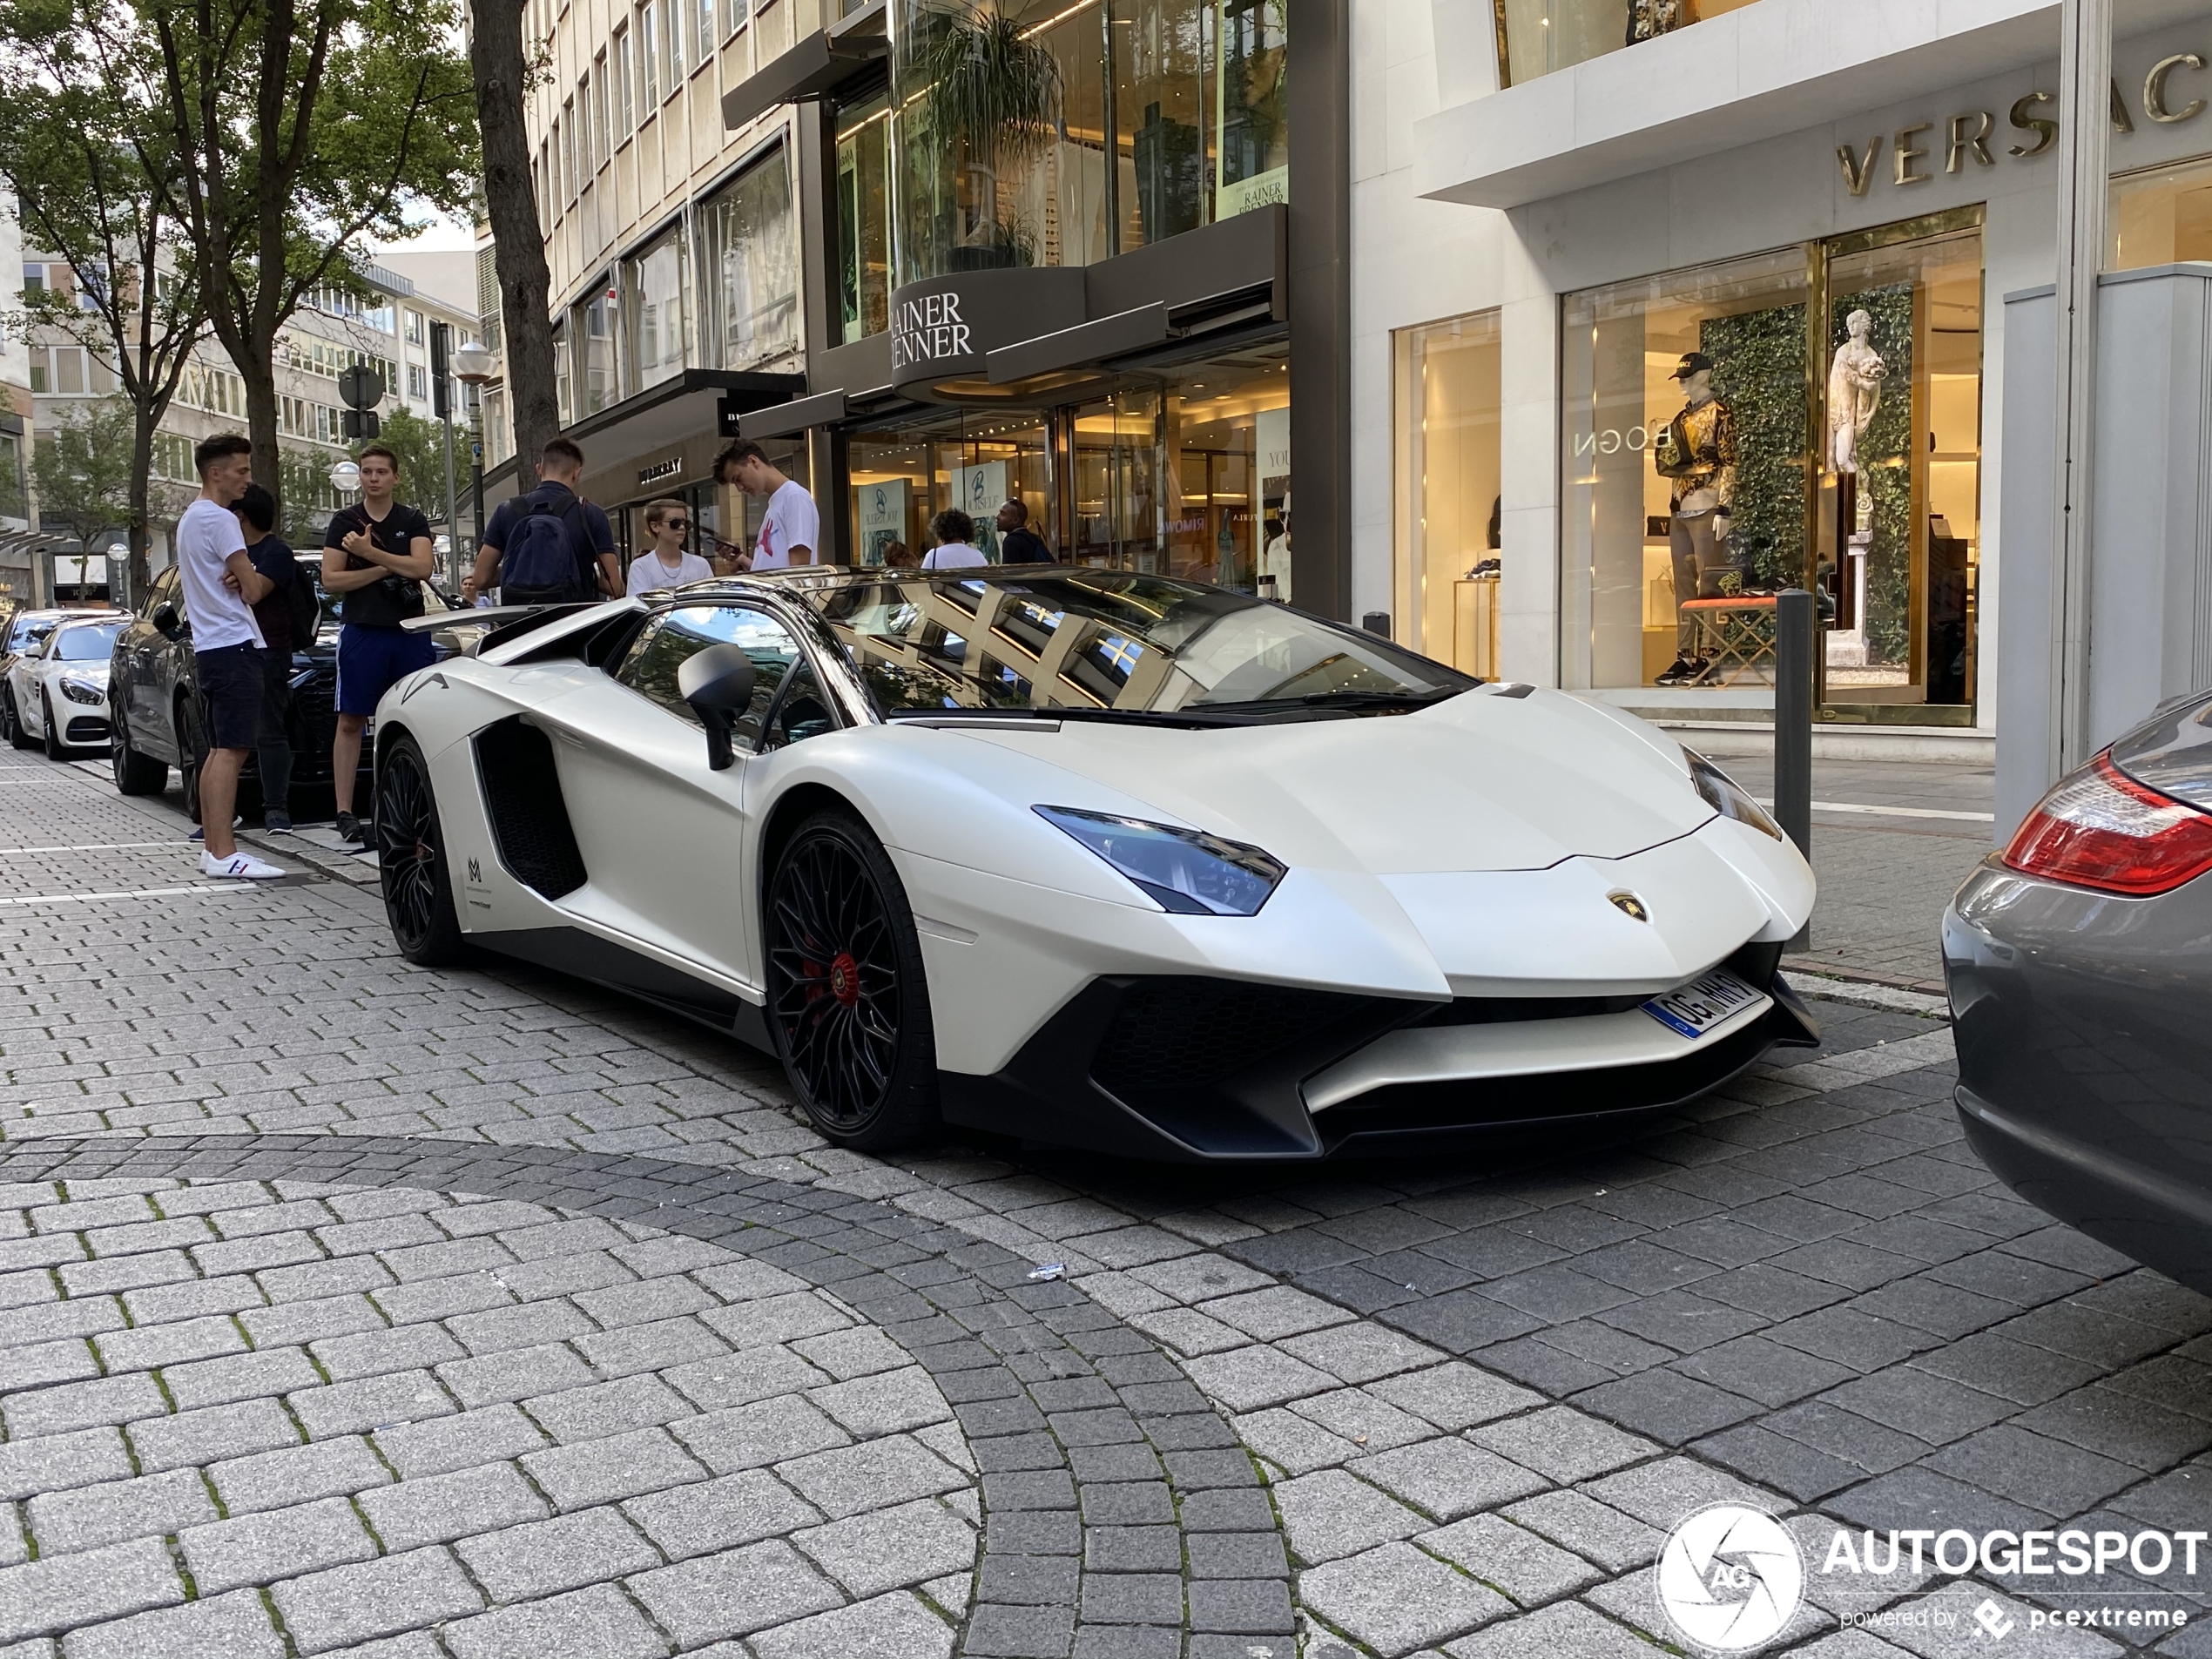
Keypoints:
pixel 1694 1008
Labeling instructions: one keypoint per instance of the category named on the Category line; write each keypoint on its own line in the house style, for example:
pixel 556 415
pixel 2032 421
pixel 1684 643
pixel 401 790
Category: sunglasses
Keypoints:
pixel 679 525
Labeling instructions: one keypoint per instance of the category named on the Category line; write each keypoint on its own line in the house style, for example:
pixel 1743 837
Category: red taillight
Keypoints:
pixel 2101 828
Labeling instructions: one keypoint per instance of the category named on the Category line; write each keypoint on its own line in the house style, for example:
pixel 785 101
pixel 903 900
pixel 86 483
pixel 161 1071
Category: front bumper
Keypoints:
pixel 1204 1070
pixel 2085 1056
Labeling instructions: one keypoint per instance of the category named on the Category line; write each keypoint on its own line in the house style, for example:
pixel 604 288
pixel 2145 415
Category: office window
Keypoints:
pixel 570 176
pixel 600 133
pixel 648 54
pixel 750 266
pixel 704 34
pixel 625 74
pixel 672 43
pixel 414 328
pixel 652 290
pixel 418 383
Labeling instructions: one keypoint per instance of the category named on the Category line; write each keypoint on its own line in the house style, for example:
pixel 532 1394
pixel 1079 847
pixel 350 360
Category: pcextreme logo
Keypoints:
pixel 1730 1578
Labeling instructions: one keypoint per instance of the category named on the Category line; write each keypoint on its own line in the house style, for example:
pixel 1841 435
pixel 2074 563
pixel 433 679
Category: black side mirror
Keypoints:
pixel 718 684
pixel 166 620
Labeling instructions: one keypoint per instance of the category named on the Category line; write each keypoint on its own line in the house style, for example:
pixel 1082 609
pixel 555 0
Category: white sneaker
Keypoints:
pixel 240 866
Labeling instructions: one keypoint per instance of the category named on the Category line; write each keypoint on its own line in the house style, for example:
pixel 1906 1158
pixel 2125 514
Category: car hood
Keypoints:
pixel 1486 781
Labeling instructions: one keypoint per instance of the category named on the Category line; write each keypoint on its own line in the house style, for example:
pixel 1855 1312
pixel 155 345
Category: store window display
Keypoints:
pixel 1451 511
pixel 2161 216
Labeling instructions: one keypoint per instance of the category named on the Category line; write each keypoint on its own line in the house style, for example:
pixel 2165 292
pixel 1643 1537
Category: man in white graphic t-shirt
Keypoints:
pixel 792 529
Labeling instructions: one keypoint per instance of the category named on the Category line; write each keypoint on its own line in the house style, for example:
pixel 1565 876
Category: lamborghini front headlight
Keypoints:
pixel 1727 797
pixel 1186 871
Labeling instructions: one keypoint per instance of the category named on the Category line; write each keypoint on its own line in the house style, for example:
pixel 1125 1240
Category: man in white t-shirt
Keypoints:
pixel 954 533
pixel 221 587
pixel 792 529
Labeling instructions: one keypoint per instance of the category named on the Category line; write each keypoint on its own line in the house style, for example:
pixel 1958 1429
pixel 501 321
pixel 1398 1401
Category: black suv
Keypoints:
pixel 159 719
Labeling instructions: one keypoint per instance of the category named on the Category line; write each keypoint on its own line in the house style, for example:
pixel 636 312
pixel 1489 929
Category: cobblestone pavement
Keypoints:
pixel 1479 1390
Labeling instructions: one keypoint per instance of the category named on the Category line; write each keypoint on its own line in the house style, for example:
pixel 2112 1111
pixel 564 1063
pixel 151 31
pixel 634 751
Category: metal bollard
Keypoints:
pixel 1796 637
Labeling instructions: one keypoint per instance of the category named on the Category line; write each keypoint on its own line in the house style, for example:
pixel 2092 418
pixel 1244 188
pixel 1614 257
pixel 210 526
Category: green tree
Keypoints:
pixel 83 463
pixel 305 132
pixel 420 445
pixel 92 177
pixel 302 490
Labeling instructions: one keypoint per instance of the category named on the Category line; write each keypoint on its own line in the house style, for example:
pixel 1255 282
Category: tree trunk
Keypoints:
pixel 518 248
pixel 139 533
pixel 257 369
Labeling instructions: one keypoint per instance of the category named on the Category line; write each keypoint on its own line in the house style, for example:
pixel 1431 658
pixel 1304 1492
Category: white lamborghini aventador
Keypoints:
pixel 1093 857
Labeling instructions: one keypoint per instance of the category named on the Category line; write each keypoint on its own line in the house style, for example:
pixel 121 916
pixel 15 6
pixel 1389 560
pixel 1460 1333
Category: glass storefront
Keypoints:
pixel 1037 133
pixel 1186 473
pixel 1536 37
pixel 2160 216
pixel 655 327
pixel 591 334
pixel 1452 511
pixel 1713 454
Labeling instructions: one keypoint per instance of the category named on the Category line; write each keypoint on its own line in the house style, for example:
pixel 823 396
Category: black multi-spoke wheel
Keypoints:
pixel 847 1003
pixel 411 860
pixel 18 736
pixel 135 774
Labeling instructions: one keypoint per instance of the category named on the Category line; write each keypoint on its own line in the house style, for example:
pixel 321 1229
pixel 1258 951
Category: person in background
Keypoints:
pixel 897 556
pixel 956 534
pixel 791 530
pixel 287 614
pixel 1018 543
pixel 377 555
pixel 221 587
pixel 665 564
pixel 551 546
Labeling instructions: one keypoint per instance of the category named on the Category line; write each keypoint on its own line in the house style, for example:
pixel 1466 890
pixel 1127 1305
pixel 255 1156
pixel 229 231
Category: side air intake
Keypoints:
pixel 530 820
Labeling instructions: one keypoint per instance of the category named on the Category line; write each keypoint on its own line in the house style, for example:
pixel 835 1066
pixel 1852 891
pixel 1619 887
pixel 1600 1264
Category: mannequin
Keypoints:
pixel 1696 451
pixel 1854 392
pixel 1648 19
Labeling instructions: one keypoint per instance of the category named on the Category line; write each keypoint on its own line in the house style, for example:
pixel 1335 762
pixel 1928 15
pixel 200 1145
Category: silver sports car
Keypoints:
pixel 2079 963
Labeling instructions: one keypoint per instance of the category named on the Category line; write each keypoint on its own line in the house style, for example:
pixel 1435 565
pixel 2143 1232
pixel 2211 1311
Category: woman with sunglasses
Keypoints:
pixel 665 564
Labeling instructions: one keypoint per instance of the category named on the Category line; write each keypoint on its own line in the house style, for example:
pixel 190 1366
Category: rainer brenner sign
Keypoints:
pixel 942 327
pixel 928 328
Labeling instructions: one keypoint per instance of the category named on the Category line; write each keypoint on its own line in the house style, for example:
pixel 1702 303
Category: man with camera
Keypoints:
pixel 377 555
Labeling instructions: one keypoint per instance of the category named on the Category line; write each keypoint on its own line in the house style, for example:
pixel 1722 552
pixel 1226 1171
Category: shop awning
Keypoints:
pixel 820 64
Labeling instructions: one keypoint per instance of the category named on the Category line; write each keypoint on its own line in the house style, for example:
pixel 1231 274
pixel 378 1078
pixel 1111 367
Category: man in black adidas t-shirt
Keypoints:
pixel 375 556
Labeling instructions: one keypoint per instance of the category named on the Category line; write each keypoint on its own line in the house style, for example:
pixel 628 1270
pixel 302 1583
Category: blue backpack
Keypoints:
pixel 541 563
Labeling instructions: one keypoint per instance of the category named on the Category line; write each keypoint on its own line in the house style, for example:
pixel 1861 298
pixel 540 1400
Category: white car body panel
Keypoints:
pixel 1474 849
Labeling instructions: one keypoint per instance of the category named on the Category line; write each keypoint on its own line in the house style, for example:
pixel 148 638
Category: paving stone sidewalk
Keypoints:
pixel 1481 1388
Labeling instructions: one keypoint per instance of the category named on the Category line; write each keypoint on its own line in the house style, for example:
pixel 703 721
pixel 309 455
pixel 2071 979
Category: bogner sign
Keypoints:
pixel 942 327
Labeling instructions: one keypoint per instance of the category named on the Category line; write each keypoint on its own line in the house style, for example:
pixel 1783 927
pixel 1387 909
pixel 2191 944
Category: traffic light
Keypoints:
pixel 362 423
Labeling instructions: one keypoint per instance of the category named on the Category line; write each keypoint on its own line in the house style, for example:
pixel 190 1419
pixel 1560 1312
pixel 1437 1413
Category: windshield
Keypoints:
pixel 29 631
pixel 87 644
pixel 1105 642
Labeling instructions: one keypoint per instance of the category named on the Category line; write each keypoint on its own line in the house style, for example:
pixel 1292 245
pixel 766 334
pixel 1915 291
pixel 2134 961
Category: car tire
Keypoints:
pixel 848 1003
pixel 411 860
pixel 135 774
pixel 192 752
pixel 18 738
pixel 56 749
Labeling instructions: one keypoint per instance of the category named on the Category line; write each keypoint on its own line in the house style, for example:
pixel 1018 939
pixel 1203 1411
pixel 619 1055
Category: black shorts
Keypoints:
pixel 230 690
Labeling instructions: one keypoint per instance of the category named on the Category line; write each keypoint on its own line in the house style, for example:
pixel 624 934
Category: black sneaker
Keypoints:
pixel 1681 670
pixel 351 829
pixel 1708 672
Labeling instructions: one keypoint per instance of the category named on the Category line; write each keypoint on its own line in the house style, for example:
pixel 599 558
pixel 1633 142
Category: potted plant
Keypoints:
pixel 993 100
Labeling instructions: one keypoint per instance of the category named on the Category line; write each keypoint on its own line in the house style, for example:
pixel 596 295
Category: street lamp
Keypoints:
pixel 473 365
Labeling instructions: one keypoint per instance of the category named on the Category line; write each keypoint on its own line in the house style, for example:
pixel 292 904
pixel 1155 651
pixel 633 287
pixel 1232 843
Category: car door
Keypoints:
pixel 23 683
pixel 137 655
pixel 662 833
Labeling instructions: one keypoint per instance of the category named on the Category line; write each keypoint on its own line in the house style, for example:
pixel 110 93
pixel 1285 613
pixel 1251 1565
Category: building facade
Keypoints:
pixel 1558 209
pixel 931 256
pixel 17 413
pixel 386 329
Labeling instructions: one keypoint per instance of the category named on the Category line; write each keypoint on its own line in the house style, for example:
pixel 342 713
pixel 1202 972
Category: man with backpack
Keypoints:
pixel 549 547
pixel 289 614
pixel 377 555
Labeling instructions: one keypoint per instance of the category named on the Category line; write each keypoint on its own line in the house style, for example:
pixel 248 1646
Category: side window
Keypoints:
pixel 801 712
pixel 672 638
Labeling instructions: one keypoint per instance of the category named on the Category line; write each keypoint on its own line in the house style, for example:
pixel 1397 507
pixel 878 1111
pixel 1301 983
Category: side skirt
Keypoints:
pixel 586 956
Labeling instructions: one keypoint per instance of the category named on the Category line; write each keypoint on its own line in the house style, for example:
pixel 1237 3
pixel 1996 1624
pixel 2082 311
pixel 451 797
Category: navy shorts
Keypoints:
pixel 231 684
pixel 371 661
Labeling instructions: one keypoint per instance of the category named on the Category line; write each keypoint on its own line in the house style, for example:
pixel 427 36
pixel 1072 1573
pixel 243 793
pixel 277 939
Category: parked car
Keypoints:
pixel 27 631
pixel 1125 863
pixel 158 721
pixel 2080 964
pixel 59 689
